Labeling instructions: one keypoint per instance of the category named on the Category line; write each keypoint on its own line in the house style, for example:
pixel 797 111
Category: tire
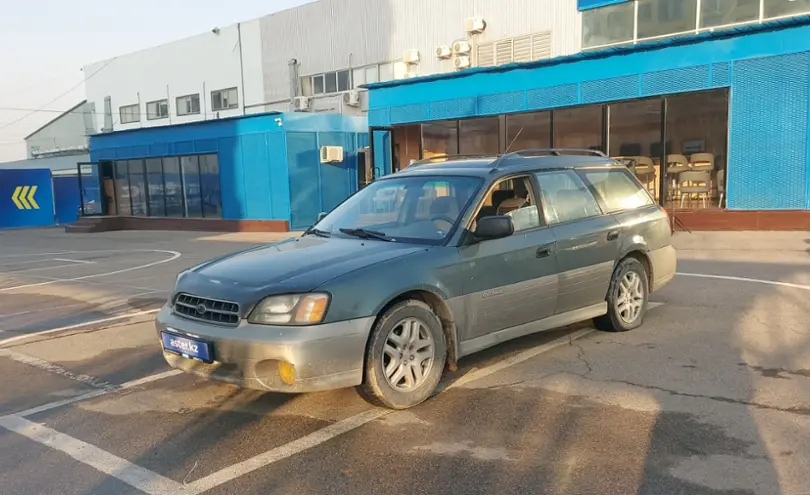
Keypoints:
pixel 621 319
pixel 394 331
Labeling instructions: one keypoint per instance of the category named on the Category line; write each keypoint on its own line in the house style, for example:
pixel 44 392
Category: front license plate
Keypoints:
pixel 189 348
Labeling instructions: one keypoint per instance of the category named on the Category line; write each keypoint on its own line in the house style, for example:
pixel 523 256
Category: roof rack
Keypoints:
pixel 555 152
pixel 445 158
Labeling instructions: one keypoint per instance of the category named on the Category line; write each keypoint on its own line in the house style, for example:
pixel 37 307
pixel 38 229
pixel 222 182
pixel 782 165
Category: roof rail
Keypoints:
pixel 555 152
pixel 444 158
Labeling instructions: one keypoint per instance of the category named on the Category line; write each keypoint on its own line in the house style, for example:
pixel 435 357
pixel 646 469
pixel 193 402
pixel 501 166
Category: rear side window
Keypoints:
pixel 618 189
pixel 566 197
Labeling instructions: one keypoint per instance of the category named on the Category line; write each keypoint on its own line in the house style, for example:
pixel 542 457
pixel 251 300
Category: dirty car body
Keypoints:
pixel 421 268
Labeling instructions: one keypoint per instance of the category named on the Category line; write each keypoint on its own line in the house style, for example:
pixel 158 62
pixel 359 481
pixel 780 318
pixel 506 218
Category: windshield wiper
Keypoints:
pixel 317 232
pixel 368 234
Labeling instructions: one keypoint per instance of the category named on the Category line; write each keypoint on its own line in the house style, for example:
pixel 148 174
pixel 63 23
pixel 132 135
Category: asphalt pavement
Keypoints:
pixel 710 396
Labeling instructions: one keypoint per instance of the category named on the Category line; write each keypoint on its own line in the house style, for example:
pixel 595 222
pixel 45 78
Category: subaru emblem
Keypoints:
pixel 201 309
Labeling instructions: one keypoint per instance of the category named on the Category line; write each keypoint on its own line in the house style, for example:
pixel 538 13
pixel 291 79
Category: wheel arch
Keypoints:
pixel 641 256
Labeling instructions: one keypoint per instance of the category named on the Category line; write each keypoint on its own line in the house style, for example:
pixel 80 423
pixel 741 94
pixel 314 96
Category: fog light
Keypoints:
pixel 287 372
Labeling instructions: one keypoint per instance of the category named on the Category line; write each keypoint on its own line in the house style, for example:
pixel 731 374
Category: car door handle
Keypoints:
pixel 613 235
pixel 544 251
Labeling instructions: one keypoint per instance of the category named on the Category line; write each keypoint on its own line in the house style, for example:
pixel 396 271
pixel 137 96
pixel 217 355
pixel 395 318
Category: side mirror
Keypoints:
pixel 321 216
pixel 494 227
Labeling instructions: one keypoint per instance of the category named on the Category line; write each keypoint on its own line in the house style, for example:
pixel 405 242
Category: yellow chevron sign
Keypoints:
pixel 23 198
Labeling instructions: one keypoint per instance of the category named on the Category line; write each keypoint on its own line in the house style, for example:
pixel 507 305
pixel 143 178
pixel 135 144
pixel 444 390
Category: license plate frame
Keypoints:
pixel 187 347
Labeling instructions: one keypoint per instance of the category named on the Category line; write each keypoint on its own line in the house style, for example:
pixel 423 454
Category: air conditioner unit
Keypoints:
pixel 444 52
pixel 410 56
pixel 331 154
pixel 351 98
pixel 461 47
pixel 474 25
pixel 302 104
pixel 461 62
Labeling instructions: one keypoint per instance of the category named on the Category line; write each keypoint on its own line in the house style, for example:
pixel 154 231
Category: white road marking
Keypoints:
pixel 33 255
pixel 95 282
pixel 40 310
pixel 109 464
pixel 289 449
pixel 174 256
pixel 28 270
pixel 97 393
pixel 56 369
pixel 83 262
pixel 77 325
pixel 745 279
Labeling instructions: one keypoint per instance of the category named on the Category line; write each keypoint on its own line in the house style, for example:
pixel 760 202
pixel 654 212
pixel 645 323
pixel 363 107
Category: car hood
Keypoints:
pixel 295 265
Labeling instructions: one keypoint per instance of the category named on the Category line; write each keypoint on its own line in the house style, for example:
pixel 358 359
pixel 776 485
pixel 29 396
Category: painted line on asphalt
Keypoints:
pixel 82 262
pixel 33 255
pixel 97 393
pixel 56 369
pixel 77 325
pixel 745 279
pixel 143 479
pixel 41 310
pixel 28 270
pixel 174 256
pixel 289 449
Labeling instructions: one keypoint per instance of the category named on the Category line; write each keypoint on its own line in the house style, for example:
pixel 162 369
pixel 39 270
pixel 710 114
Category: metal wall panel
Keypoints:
pixel 338 34
pixel 26 198
pixel 304 166
pixel 66 199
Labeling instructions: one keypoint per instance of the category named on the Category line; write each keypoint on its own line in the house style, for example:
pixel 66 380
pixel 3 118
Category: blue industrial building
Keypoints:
pixel 257 167
pixel 736 100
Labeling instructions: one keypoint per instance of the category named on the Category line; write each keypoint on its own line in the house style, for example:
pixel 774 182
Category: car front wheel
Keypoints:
pixel 627 298
pixel 405 356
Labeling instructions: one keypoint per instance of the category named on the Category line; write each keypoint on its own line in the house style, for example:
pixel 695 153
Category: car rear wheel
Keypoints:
pixel 627 298
pixel 405 356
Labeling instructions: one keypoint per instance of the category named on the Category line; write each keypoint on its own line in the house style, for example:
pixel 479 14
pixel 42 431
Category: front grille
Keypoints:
pixel 219 312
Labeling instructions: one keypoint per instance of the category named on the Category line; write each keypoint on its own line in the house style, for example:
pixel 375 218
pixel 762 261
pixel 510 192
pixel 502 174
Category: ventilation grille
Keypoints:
pixel 526 48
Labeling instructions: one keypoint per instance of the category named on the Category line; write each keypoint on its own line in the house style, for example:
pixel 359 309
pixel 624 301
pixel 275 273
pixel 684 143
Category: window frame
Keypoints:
pixel 157 115
pixel 127 107
pixel 190 97
pixel 588 187
pixel 220 92
pixel 469 226
pixel 603 204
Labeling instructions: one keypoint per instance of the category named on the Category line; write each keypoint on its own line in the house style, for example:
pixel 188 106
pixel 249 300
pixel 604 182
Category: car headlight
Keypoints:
pixel 292 309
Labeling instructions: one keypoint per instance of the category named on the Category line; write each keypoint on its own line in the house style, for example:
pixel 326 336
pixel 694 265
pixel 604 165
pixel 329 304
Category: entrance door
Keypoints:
pixel 91 196
pixel 365 170
pixel 381 151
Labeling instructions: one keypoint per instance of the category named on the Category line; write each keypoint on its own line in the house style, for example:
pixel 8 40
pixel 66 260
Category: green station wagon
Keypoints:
pixel 421 268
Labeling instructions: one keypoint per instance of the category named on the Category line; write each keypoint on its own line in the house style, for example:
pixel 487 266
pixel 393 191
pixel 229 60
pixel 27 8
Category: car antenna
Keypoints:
pixel 498 161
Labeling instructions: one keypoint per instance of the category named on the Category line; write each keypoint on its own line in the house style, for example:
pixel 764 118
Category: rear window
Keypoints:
pixel 618 189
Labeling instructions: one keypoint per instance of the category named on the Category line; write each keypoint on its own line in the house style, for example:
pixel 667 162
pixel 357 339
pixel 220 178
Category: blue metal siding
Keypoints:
pixel 303 163
pixel 337 180
pixel 66 199
pixel 767 71
pixel 33 190
pixel 768 164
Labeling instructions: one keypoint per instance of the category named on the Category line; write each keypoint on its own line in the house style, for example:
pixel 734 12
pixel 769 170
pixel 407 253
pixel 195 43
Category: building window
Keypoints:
pixel 130 114
pixel 224 99
pixel 579 127
pixel 188 105
pixel 440 138
pixel 479 136
pixel 344 82
pixel 157 110
pixel 778 8
pixel 663 17
pixel 608 25
pixel 528 131
pixel 526 48
pixel 190 165
pixel 330 82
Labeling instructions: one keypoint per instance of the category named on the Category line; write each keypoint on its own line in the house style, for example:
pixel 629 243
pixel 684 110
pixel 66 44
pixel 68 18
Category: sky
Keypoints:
pixel 45 43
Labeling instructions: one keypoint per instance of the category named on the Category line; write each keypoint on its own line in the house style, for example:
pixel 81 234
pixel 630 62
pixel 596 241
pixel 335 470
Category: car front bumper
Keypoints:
pixel 324 357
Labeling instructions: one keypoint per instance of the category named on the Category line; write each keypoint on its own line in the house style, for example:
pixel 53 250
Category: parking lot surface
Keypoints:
pixel 710 396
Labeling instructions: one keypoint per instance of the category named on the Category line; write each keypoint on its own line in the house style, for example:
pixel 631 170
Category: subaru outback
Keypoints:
pixel 421 268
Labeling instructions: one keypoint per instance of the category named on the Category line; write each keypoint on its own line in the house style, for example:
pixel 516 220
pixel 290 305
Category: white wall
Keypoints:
pixel 66 133
pixel 338 34
pixel 196 65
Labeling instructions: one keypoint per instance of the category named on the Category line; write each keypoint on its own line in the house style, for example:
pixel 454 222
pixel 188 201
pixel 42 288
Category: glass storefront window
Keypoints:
pixel 175 207
pixel 697 137
pixel 723 12
pixel 122 199
pixel 440 138
pixel 191 182
pixel 528 131
pixel 778 8
pixel 578 128
pixel 663 17
pixel 479 136
pixel 608 25
pixel 209 181
pixel 635 131
pixel 137 188
pixel 154 181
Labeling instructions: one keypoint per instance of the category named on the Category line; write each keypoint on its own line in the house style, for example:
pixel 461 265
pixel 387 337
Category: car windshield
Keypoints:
pixel 404 209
